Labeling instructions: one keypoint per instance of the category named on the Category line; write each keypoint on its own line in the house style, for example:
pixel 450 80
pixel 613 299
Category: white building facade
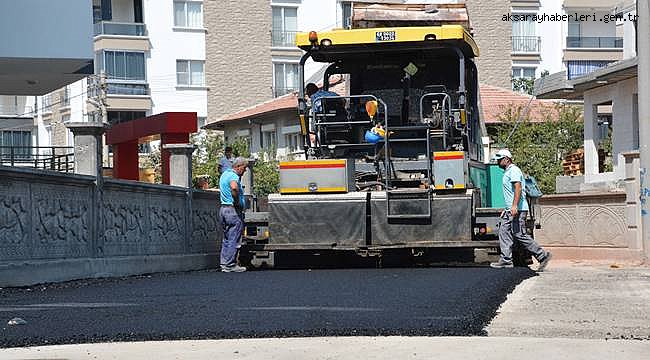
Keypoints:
pixel 152 53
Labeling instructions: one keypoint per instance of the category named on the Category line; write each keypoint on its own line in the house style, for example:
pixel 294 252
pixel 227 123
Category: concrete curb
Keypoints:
pixel 473 348
pixel 25 273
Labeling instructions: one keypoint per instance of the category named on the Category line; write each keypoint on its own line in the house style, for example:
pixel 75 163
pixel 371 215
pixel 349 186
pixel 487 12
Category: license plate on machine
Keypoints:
pixel 385 36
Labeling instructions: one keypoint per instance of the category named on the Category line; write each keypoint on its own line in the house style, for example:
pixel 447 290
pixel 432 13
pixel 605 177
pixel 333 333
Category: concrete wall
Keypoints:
pixel 38 28
pixel 238 55
pixel 493 37
pixel 57 227
pixel 597 226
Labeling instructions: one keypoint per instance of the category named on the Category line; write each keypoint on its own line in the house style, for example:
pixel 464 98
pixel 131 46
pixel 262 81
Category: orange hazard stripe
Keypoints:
pixel 448 155
pixel 312 166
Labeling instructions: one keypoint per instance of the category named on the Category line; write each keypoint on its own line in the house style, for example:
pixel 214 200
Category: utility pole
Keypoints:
pixel 643 55
pixel 98 88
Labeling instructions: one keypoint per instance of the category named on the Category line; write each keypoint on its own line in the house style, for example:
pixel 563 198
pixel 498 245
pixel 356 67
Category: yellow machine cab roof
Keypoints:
pixel 376 39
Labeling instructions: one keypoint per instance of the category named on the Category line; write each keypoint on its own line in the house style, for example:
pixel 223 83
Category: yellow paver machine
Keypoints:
pixel 394 159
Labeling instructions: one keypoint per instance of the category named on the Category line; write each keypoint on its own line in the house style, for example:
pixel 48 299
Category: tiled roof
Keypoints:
pixel 494 100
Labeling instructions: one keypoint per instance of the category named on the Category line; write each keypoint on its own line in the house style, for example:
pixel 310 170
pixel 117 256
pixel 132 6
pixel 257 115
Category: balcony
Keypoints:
pixel 56 158
pixel 120 28
pixel 117 88
pixel 594 42
pixel 16 110
pixel 281 38
pixel 277 91
pixel 526 44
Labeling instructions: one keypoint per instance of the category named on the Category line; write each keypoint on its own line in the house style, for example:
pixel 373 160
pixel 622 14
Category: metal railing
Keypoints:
pixel 13 109
pixel 595 42
pixel 120 28
pixel 56 158
pixel 127 88
pixel 526 44
pixel 277 92
pixel 283 38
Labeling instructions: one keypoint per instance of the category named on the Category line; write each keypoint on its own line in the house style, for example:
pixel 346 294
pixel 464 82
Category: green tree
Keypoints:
pixel 266 175
pixel 210 146
pixel 539 147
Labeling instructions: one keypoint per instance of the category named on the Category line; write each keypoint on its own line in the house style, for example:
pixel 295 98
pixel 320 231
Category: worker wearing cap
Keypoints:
pixel 513 219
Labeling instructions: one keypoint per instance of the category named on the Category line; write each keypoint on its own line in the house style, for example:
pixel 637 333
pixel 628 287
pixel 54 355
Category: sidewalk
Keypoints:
pixel 353 348
pixel 579 301
pixel 568 312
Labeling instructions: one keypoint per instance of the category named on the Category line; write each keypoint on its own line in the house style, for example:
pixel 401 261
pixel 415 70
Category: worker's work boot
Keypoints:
pixel 544 261
pixel 233 268
pixel 501 264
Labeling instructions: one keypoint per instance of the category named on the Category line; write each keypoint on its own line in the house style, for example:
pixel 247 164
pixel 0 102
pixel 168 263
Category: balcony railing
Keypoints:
pixel 594 42
pixel 16 110
pixel 116 88
pixel 283 91
pixel 120 28
pixel 56 158
pixel 283 38
pixel 526 44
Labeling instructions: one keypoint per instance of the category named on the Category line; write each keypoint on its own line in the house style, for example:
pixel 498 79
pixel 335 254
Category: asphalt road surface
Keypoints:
pixel 274 303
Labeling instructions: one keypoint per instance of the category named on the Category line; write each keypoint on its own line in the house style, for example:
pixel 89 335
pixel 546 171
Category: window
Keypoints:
pixel 576 68
pixel 346 11
pixel 188 14
pixel 574 28
pixel 124 65
pixel 522 79
pixel 285 25
pixel 46 103
pixel 292 142
pixel 524 36
pixel 21 141
pixel 285 78
pixel 269 139
pixel 65 101
pixel 116 117
pixel 523 72
pixel 189 73
pixel 200 122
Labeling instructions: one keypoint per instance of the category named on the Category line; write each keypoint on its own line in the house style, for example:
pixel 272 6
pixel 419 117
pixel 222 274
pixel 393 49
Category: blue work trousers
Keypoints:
pixel 233 225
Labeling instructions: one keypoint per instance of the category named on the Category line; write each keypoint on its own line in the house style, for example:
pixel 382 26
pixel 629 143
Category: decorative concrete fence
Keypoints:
pixel 596 225
pixel 58 227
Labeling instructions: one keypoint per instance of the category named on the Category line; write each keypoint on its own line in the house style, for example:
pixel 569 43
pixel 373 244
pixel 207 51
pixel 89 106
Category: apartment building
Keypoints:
pixel 586 39
pixel 152 53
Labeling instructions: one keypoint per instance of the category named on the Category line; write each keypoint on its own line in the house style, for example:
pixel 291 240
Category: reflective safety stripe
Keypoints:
pixel 306 190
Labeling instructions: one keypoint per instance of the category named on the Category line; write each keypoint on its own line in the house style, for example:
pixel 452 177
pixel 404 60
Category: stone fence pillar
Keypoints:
pixel 180 164
pixel 633 203
pixel 88 147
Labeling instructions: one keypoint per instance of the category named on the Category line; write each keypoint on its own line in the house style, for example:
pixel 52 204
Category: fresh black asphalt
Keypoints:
pixel 275 303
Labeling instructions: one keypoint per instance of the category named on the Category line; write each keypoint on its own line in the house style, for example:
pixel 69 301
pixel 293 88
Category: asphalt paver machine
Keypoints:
pixel 419 188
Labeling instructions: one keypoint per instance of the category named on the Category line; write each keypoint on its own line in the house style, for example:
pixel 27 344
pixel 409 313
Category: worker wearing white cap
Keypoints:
pixel 513 219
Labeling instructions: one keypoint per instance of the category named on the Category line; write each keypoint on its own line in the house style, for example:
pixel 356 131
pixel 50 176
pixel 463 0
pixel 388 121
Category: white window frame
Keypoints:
pixel 521 71
pixel 295 138
pixel 269 139
pixel 284 72
pixel 283 26
pixel 186 13
pixel 189 73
